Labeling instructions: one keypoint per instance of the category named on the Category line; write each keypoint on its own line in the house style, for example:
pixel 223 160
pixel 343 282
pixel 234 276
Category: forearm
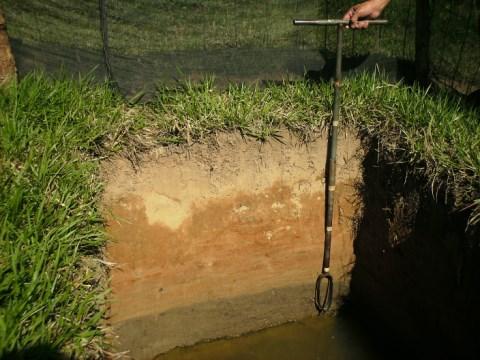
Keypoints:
pixel 382 4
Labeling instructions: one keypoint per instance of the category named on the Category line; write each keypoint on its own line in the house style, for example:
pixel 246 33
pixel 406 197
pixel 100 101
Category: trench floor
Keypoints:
pixel 313 338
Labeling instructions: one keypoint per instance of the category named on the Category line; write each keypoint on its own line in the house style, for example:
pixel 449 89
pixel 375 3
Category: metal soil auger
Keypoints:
pixel 323 298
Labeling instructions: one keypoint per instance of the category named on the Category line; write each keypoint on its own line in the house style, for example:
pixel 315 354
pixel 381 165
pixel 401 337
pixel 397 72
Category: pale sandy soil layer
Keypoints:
pixel 223 238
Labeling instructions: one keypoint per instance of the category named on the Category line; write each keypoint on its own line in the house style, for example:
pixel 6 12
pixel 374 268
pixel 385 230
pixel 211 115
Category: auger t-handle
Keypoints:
pixel 336 22
pixel 323 298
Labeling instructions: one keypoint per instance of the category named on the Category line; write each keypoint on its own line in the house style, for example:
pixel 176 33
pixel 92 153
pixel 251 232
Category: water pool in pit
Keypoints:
pixel 316 338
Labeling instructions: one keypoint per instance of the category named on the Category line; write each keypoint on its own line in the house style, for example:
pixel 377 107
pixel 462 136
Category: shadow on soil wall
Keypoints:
pixel 417 272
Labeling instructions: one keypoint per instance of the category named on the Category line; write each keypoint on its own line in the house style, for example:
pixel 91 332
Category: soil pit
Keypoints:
pixel 221 239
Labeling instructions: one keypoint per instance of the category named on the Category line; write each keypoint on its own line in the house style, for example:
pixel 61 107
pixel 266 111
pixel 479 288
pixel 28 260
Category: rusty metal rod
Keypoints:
pixel 324 297
pixel 324 285
pixel 332 151
pixel 336 22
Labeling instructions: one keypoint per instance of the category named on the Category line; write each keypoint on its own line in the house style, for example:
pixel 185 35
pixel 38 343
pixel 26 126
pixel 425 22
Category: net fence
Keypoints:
pixel 155 42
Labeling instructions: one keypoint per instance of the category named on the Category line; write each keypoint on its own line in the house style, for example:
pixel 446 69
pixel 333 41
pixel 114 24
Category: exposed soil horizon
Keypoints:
pixel 216 231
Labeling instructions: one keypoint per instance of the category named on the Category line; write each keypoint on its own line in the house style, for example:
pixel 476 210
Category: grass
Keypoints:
pixel 54 132
pixel 51 234
pixel 434 133
pixel 142 27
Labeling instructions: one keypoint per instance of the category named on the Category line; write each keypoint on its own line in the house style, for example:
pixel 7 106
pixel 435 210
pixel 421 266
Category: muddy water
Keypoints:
pixel 313 338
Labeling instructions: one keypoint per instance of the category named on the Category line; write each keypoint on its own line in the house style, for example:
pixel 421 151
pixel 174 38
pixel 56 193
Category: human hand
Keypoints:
pixel 366 10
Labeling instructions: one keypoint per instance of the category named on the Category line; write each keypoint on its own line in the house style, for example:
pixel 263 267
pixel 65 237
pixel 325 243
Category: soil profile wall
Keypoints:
pixel 224 238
